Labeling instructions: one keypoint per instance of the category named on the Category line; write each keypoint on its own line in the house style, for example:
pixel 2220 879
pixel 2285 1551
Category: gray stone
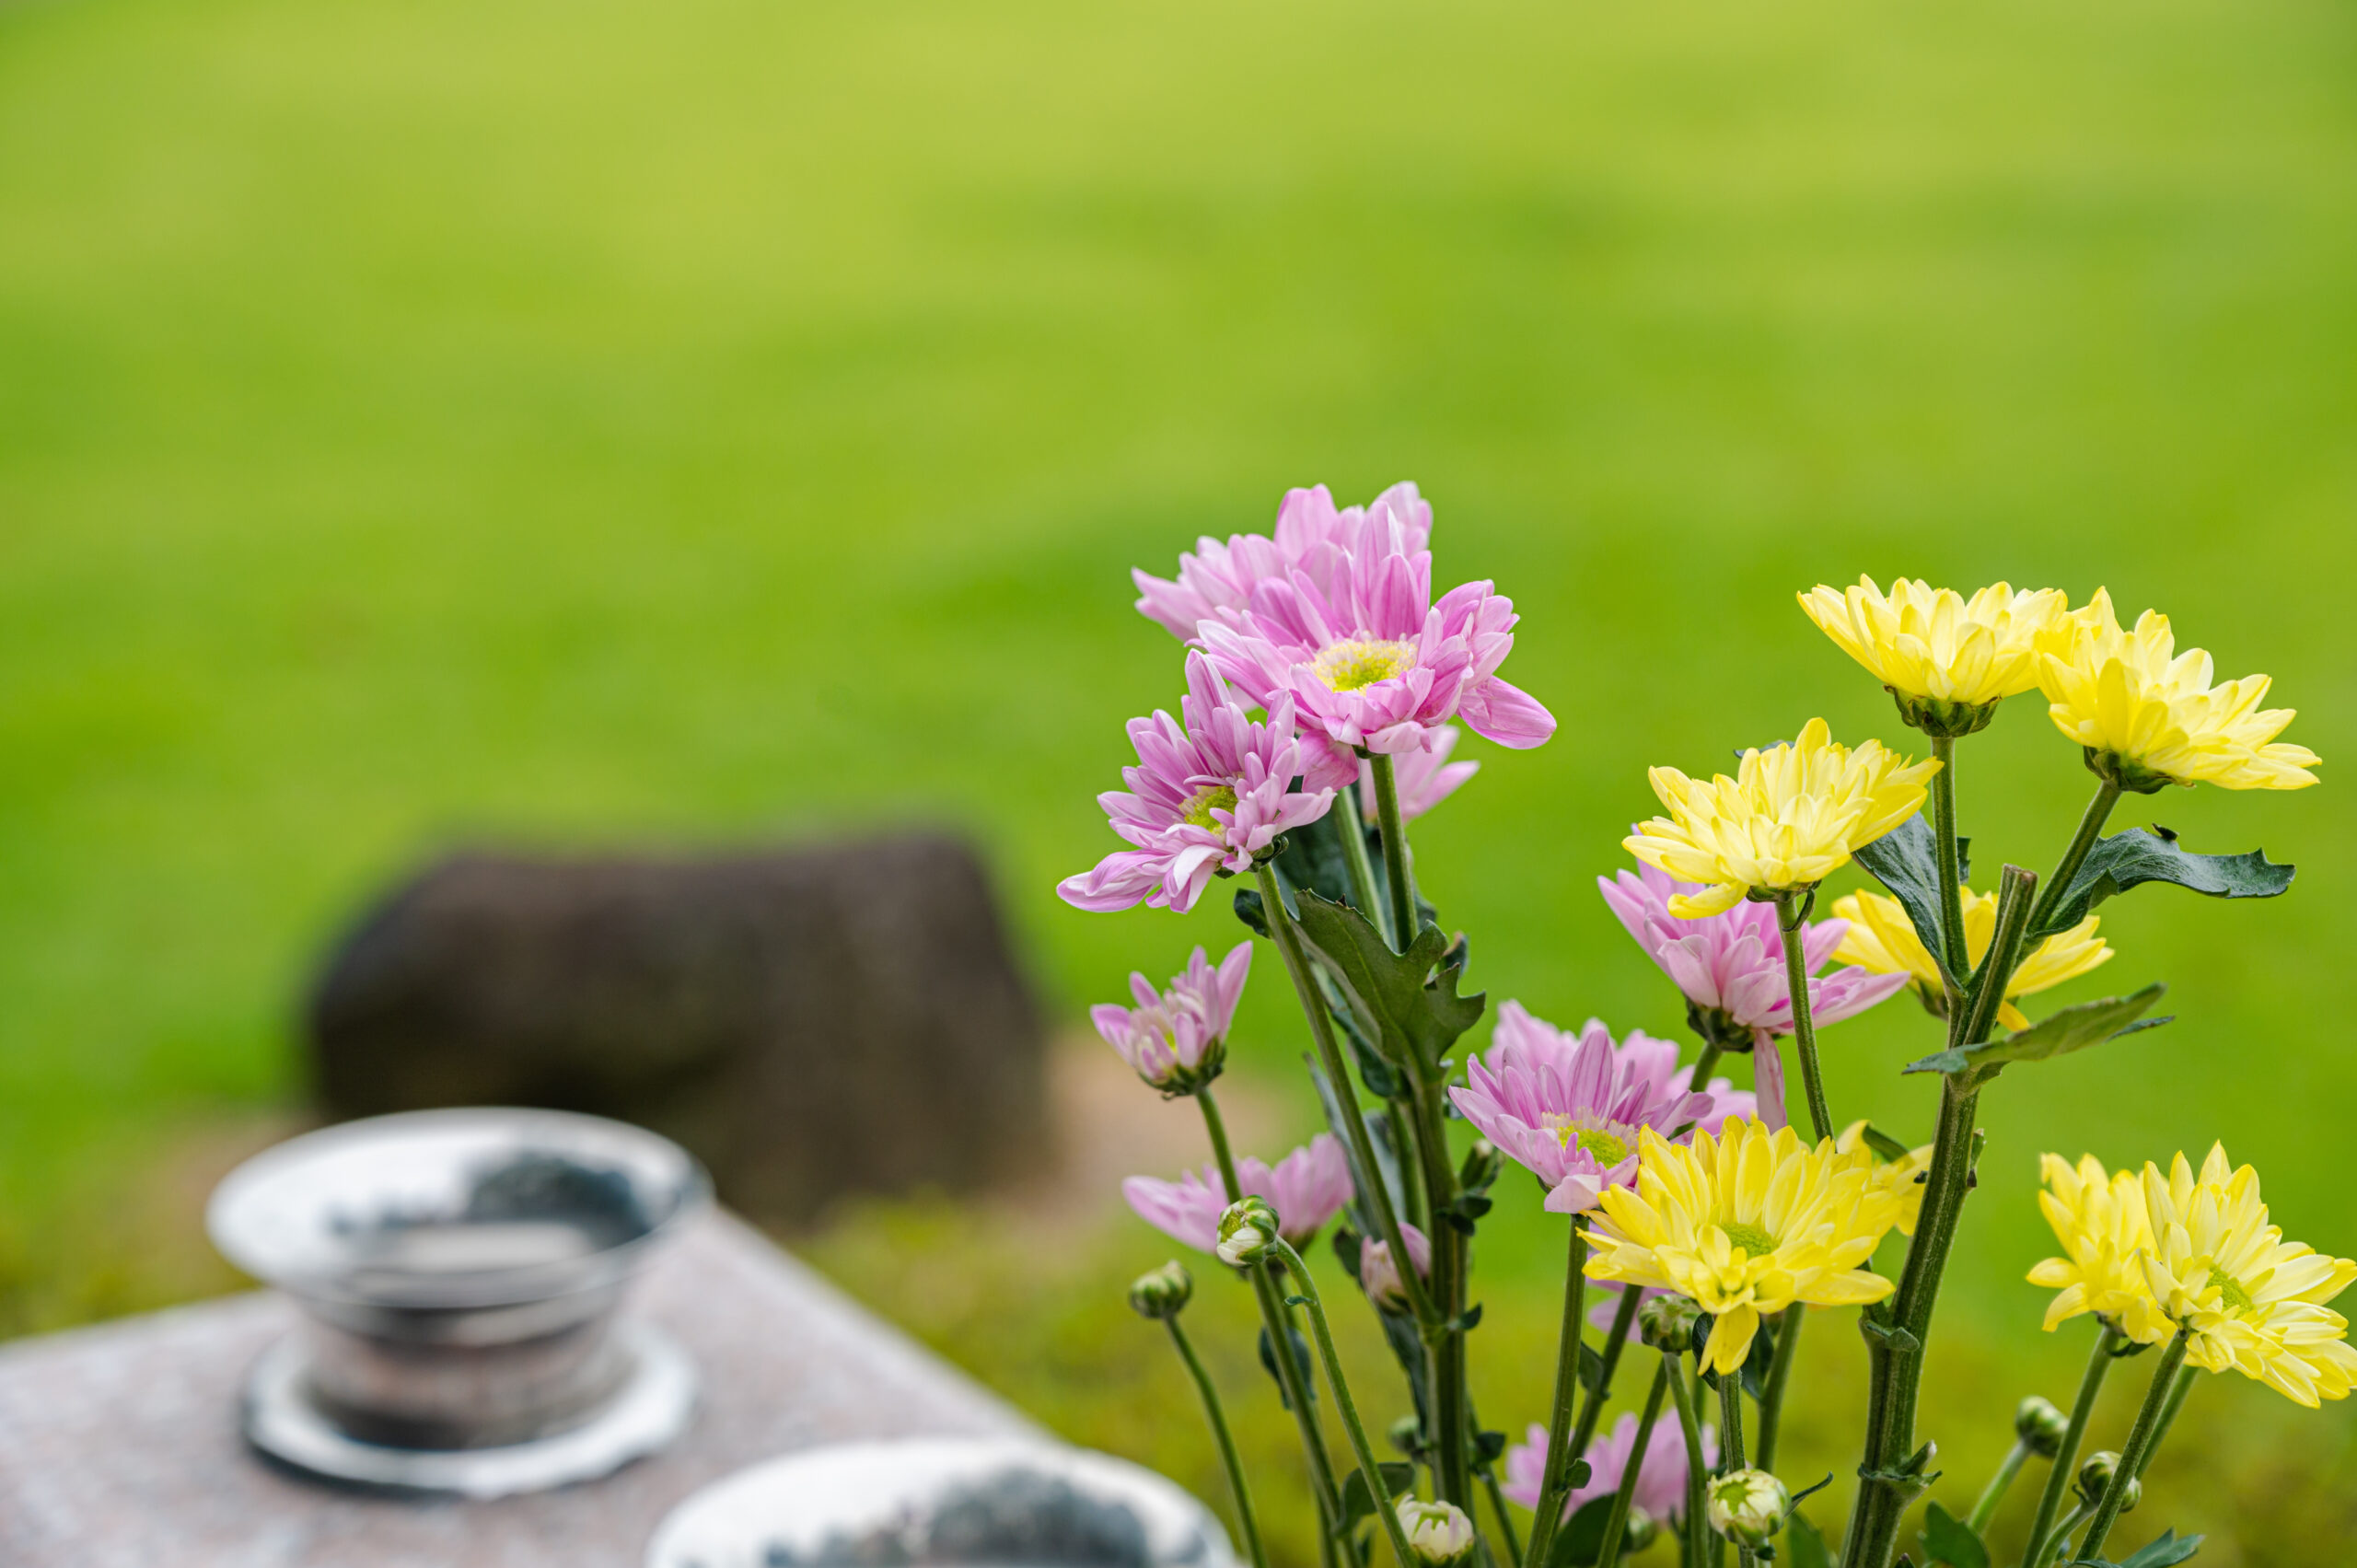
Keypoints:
pixel 810 1023
pixel 119 1446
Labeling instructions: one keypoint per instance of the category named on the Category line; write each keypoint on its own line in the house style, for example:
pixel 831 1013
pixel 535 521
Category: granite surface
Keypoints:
pixel 119 1446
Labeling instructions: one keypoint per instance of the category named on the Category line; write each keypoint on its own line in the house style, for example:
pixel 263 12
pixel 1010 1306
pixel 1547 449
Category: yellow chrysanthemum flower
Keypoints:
pixel 1947 659
pixel 1743 1224
pixel 1902 1178
pixel 1790 817
pixel 2250 1300
pixel 1881 938
pixel 2148 715
pixel 2100 1221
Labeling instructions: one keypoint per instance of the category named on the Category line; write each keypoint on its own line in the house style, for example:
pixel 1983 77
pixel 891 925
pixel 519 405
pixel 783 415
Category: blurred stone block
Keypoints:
pixel 847 1019
pixel 118 1445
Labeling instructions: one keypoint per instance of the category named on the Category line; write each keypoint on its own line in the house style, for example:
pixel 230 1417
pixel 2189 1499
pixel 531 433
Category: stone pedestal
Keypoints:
pixel 118 1445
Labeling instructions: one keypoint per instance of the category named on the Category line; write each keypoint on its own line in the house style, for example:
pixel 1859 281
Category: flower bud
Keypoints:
pixel 1639 1531
pixel 1439 1533
pixel 2040 1427
pixel 1247 1230
pixel 1162 1292
pixel 1670 1322
pixel 2097 1474
pixel 1483 1163
pixel 1746 1507
pixel 1379 1274
pixel 1406 1434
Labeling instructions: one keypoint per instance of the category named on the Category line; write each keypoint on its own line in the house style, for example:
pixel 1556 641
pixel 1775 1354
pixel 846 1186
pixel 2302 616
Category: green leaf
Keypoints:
pixel 1591 1369
pixel 2153 855
pixel 1803 1546
pixel 1581 1541
pixel 1300 1360
pixel 2166 1552
pixel 1761 1358
pixel 1883 1144
pixel 1947 1539
pixel 1358 1500
pixel 2057 1034
pixel 1406 1002
pixel 1907 861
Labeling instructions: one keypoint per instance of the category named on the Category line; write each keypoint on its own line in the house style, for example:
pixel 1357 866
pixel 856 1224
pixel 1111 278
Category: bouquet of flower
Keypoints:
pixel 1324 683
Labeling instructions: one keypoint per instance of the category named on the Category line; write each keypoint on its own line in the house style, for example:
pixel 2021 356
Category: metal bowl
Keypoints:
pixel 459 1273
pixel 939 1502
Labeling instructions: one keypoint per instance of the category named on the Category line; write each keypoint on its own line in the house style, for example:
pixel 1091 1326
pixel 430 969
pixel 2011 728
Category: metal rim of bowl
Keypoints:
pixel 689 1195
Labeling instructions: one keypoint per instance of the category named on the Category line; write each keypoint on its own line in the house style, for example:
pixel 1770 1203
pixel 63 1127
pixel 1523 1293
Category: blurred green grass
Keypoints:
pixel 585 422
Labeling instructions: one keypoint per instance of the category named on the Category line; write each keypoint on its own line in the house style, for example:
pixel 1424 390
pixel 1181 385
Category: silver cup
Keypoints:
pixel 459 1273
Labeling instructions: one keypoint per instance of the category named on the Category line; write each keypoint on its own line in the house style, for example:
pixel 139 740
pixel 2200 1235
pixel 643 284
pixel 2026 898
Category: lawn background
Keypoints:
pixel 592 424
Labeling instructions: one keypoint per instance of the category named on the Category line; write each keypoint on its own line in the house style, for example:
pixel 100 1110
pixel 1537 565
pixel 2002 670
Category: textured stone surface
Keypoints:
pixel 835 1020
pixel 119 1446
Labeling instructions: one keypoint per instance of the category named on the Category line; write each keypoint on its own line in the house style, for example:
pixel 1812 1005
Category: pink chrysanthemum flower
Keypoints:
pixel 1211 793
pixel 1177 1041
pixel 1369 658
pixel 1424 779
pixel 1730 968
pixel 1307 1188
pixel 1568 1108
pixel 1380 1276
pixel 1661 1484
pixel 1309 537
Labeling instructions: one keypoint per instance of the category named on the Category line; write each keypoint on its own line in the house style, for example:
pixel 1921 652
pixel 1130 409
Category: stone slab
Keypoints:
pixel 118 1445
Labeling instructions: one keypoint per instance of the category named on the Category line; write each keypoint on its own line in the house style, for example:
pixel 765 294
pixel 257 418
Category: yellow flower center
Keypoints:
pixel 2231 1290
pixel 1355 662
pixel 1198 810
pixel 1755 1241
pixel 1604 1146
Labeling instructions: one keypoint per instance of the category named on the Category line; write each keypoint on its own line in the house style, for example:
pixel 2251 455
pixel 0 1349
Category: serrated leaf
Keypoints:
pixel 2153 855
pixel 2057 1034
pixel 1906 860
pixel 1406 1002
pixel 1581 1541
pixel 1358 1498
pixel 2164 1552
pixel 1948 1540
pixel 1803 1546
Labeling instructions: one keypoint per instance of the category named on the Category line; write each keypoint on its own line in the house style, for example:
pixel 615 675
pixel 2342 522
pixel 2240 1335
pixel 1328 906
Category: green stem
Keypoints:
pixel 1731 1440
pixel 1711 1051
pixel 1780 1372
pixel 1555 1479
pixel 1985 1508
pixel 1957 956
pixel 1790 915
pixel 1498 1505
pixel 1296 1392
pixel 1395 853
pixel 1215 1127
pixel 1352 817
pixel 2142 1438
pixel 1617 1520
pixel 2090 829
pixel 1698 1529
pixel 2185 1375
pixel 1329 1057
pixel 1623 1318
pixel 1895 1344
pixel 1452 1474
pixel 1352 1427
pixel 1212 1412
pixel 2043 1552
pixel 2066 1457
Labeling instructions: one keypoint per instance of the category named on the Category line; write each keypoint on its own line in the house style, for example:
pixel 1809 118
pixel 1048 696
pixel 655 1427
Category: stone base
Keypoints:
pixel 118 1445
